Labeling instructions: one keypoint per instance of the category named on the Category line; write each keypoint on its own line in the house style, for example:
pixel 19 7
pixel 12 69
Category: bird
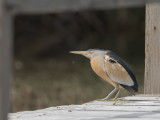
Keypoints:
pixel 113 69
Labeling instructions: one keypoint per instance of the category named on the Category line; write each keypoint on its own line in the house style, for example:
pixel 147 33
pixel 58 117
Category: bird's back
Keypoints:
pixel 115 57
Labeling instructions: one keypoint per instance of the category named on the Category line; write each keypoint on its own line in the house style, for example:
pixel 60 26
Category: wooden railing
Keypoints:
pixel 10 8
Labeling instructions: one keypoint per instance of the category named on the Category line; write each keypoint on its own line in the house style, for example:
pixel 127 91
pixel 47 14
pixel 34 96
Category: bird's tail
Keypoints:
pixel 131 89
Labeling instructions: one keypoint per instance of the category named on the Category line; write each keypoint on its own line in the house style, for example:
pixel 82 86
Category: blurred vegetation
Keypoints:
pixel 45 74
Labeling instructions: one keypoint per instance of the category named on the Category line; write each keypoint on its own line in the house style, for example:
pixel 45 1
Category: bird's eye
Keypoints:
pixel 111 61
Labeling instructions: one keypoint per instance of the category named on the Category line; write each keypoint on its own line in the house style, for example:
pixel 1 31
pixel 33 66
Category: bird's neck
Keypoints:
pixel 97 64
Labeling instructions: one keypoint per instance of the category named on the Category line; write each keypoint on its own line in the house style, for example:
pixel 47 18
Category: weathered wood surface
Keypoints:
pixel 53 6
pixel 152 50
pixel 144 107
pixel 5 59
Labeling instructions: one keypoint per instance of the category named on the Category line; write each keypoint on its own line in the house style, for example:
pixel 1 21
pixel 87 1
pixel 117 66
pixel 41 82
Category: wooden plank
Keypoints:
pixel 121 109
pixel 54 6
pixel 5 59
pixel 86 115
pixel 152 50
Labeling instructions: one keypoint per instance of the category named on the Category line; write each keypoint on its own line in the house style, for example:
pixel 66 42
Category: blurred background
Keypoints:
pixel 46 74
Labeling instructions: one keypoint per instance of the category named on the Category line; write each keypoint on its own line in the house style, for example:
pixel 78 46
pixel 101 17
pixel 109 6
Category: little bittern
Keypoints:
pixel 113 69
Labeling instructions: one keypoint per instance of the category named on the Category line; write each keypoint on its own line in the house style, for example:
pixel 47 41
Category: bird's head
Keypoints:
pixel 88 53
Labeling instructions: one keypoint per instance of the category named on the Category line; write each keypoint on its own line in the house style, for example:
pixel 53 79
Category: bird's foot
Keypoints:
pixel 100 100
pixel 114 99
pixel 120 99
pixel 104 99
pixel 117 99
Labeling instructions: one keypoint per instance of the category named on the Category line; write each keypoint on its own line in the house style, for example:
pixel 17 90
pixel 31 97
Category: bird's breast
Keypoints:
pixel 98 67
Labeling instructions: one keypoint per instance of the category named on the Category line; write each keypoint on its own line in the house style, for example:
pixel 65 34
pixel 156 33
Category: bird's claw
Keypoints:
pixel 104 99
pixel 117 99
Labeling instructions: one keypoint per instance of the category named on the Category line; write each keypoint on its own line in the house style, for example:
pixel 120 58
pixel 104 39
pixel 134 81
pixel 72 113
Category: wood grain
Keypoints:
pixel 5 59
pixel 152 50
pixel 152 70
pixel 144 107
pixel 55 6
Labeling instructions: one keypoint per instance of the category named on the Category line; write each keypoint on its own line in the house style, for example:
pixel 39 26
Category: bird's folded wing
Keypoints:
pixel 116 72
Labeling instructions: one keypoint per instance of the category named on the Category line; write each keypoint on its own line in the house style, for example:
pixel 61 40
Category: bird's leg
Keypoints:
pixel 111 93
pixel 117 93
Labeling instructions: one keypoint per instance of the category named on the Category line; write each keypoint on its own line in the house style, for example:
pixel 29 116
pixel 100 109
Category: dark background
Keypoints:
pixel 46 74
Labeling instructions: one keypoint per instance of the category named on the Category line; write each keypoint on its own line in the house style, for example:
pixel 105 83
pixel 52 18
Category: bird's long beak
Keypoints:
pixel 78 52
